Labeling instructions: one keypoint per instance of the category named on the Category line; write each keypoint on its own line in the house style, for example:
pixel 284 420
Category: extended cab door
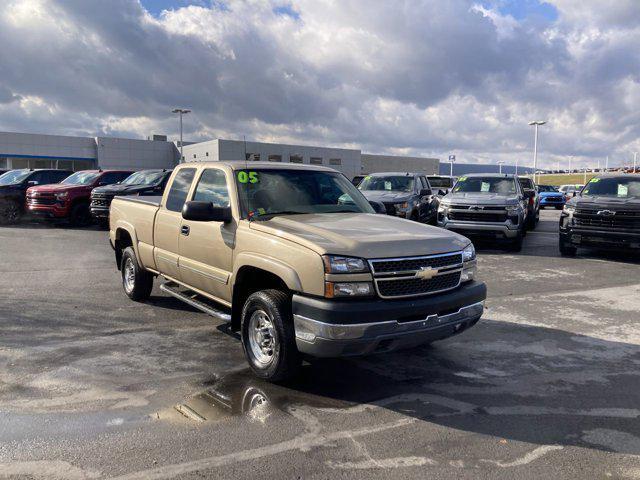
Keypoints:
pixel 206 247
pixel 168 222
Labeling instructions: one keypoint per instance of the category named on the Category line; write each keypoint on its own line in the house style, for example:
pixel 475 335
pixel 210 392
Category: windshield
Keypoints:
pixel 437 182
pixel 547 188
pixel 143 178
pixel 394 183
pixel 621 187
pixel 486 185
pixel 270 192
pixel 81 178
pixel 14 177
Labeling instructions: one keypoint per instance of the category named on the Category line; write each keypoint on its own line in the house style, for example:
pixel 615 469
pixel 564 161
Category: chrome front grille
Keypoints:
pixel 41 200
pixel 403 277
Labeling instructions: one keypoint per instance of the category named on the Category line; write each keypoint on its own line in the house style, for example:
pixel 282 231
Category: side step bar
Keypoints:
pixel 190 299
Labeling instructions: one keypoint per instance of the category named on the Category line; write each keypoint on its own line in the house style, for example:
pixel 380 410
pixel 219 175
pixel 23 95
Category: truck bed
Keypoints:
pixel 150 200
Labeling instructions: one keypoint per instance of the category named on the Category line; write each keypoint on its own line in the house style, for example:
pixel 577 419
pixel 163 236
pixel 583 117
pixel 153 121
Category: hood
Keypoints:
pixel 120 189
pixel 551 194
pixel 56 188
pixel 604 202
pixel 475 198
pixel 386 196
pixel 362 235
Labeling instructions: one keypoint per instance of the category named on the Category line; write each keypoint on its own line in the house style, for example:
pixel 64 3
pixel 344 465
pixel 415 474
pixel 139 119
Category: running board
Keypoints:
pixel 173 290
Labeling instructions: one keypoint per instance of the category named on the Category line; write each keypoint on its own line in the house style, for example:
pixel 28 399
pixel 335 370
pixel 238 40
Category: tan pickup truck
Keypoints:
pixel 297 260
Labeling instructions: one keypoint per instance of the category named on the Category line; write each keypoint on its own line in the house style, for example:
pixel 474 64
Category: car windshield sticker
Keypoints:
pixel 462 179
pixel 484 187
pixel 595 180
pixel 387 185
pixel 623 190
pixel 248 177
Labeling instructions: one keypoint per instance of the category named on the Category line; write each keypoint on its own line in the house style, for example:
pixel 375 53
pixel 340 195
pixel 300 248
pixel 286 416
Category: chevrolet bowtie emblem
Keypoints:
pixel 426 273
pixel 606 212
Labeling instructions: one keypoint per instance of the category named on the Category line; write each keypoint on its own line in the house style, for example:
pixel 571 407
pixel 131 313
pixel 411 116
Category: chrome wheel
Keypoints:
pixel 262 337
pixel 129 275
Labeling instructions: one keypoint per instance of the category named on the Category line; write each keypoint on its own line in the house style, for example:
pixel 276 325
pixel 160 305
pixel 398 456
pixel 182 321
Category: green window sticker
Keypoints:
pixel 462 179
pixel 623 190
pixel 248 177
pixel 485 186
pixel 594 180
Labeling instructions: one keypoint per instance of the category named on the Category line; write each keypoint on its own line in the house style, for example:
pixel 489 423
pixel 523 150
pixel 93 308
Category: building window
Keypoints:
pixel 275 158
pixel 335 161
pixel 316 160
pixel 252 157
pixel 194 155
pixel 295 158
pixel 207 154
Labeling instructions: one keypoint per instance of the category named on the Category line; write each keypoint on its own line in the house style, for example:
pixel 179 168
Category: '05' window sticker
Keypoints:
pixel 248 177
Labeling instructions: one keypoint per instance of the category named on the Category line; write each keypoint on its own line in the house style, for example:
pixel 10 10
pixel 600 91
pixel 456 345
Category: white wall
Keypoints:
pixel 394 163
pixel 35 145
pixel 129 154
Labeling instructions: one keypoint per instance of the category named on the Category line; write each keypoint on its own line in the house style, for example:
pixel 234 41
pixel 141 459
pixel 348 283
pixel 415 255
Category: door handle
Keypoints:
pixel 184 230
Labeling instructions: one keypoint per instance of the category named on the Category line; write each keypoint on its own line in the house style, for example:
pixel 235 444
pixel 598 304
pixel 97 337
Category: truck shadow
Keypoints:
pixel 507 380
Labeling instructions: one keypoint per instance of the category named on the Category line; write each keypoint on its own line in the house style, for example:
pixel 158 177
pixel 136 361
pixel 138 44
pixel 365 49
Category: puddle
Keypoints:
pixel 243 395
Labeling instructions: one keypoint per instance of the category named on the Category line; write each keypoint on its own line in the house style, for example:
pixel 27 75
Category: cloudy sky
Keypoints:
pixel 419 77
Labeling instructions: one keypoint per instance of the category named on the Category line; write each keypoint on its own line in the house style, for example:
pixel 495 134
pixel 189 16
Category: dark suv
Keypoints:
pixel 606 214
pixel 406 195
pixel 144 182
pixel 13 189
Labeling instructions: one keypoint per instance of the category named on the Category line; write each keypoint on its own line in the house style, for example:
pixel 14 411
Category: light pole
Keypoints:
pixel 181 111
pixel 570 161
pixel 635 160
pixel 536 123
pixel 452 158
pixel 516 166
pixel 500 167
pixel 606 164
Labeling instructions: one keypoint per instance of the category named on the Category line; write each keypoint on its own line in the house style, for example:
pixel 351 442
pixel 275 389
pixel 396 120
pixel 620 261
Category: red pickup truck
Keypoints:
pixel 70 199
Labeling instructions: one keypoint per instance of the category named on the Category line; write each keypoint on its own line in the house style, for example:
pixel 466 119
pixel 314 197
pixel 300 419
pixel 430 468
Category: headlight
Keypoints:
pixel 402 205
pixel 335 264
pixel 469 253
pixel 348 289
pixel 469 268
pixel 442 208
pixel 569 209
pixel 513 209
pixel 62 196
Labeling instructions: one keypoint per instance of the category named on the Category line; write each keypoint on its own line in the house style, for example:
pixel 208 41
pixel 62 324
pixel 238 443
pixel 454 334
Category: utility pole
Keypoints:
pixel 181 111
pixel 635 160
pixel 536 123
pixel 452 158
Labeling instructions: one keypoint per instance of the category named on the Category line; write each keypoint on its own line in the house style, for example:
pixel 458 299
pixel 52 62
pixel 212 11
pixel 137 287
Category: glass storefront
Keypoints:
pixel 10 163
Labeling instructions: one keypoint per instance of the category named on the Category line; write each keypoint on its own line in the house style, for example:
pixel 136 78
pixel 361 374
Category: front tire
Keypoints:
pixel 516 243
pixel 80 215
pixel 136 282
pixel 10 213
pixel 268 337
pixel 567 250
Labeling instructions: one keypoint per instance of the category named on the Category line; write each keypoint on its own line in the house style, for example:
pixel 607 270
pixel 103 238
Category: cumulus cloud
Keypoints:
pixel 421 77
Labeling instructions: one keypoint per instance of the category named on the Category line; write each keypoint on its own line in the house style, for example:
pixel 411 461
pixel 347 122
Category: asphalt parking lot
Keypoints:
pixel 546 385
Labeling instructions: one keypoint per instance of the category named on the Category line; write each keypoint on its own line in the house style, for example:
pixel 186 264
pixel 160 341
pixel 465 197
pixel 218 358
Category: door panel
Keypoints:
pixel 206 251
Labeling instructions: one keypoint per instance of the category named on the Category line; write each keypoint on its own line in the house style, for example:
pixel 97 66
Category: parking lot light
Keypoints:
pixel 536 123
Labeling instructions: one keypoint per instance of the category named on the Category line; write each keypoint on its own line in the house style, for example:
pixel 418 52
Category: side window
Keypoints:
pixel 57 177
pixel 179 189
pixel 212 187
pixel 41 177
pixel 110 177
pixel 425 183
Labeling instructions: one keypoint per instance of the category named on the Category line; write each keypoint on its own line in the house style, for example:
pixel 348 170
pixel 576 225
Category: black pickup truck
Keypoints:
pixel 605 214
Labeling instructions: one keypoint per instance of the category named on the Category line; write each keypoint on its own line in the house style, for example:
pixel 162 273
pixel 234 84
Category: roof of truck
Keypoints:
pixel 240 165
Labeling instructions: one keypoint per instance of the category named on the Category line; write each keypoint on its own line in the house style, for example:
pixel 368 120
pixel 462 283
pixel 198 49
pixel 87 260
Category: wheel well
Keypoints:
pixel 249 280
pixel 123 240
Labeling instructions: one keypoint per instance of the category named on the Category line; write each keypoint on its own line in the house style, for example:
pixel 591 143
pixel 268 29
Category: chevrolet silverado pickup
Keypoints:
pixel 491 206
pixel 295 258
pixel 70 198
pixel 142 183
pixel 605 214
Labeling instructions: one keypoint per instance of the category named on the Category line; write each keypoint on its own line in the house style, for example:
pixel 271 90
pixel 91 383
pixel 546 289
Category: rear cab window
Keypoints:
pixel 180 189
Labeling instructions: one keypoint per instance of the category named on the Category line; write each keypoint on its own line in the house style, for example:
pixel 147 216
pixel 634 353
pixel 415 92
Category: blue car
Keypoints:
pixel 550 197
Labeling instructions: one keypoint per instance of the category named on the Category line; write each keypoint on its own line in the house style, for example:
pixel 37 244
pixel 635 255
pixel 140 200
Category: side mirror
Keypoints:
pixel 425 191
pixel 205 212
pixel 102 184
pixel 32 183
pixel 378 206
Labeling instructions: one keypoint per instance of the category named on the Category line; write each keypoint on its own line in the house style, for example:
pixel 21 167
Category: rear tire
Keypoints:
pixel 567 250
pixel 80 215
pixel 268 336
pixel 136 282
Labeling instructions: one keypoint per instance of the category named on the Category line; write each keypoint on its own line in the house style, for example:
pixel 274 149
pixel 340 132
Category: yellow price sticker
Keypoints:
pixel 248 177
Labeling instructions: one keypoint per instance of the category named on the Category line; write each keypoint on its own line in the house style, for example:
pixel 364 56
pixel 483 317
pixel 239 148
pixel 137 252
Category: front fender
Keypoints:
pixel 272 265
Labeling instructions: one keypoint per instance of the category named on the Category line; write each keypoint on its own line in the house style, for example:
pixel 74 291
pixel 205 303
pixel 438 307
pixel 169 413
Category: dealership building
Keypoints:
pixel 27 150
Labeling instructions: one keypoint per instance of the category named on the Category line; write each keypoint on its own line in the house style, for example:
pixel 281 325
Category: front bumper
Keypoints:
pixel 552 201
pixel 585 237
pixel 496 230
pixel 48 211
pixel 330 328
pixel 99 212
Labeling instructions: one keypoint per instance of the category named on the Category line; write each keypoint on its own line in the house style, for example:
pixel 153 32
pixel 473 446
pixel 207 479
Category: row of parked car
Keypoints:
pixel 502 208
pixel 77 197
